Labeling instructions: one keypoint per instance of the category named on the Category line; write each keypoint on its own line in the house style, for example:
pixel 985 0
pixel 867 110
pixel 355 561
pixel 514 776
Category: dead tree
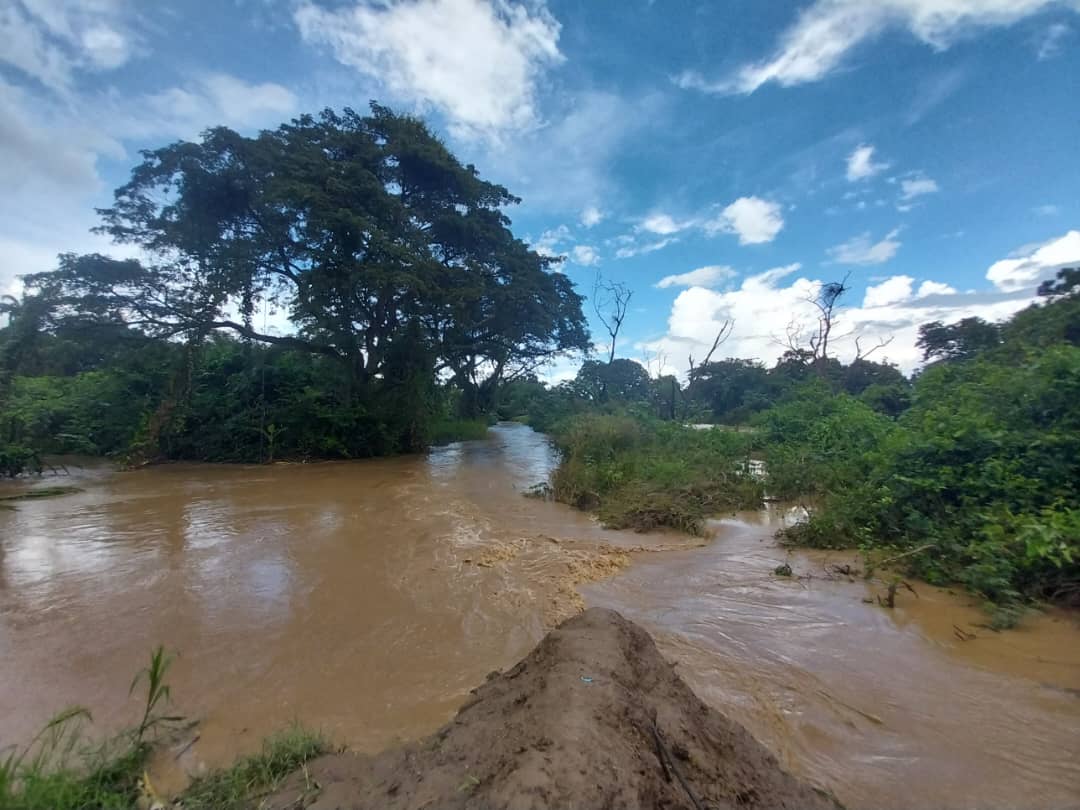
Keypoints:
pixel 610 302
pixel 722 334
pixel 812 346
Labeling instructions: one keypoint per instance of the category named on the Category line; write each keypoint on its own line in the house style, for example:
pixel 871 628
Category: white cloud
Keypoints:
pixel 1046 210
pixel 1050 44
pixel 632 248
pixel 890 291
pixel 823 35
pixel 210 100
pixel 861 250
pixel 766 306
pixel 549 241
pixel 51 41
pixel 861 165
pixel 928 288
pixel 917 186
pixel 585 255
pixel 476 61
pixel 1035 263
pixel 50 152
pixel 708 276
pixel 754 220
pixel 662 224
pixel 591 216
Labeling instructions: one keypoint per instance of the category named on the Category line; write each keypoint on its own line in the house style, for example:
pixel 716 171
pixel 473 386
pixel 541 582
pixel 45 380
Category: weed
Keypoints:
pixel 238 787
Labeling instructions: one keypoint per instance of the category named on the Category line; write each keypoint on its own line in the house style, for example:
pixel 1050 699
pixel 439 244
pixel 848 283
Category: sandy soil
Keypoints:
pixel 593 717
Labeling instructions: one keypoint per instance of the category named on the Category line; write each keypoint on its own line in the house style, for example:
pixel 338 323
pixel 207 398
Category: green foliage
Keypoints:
pixel 393 262
pixel 638 472
pixel 981 475
pixel 447 430
pixel 238 787
pixel 62 768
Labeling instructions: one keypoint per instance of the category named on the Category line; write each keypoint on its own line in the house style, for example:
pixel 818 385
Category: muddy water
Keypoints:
pixel 368 598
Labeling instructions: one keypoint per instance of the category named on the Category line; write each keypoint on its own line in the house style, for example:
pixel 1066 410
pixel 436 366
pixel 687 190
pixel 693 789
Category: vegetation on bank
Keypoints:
pixel 341 286
pixel 638 472
pixel 63 768
pixel 971 471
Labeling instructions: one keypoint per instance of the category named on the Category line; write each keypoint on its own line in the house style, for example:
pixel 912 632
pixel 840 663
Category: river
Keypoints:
pixel 367 598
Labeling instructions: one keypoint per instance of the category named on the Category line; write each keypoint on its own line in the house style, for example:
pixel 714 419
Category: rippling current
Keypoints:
pixel 367 598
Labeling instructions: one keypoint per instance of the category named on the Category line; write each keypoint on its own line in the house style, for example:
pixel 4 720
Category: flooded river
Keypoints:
pixel 367 598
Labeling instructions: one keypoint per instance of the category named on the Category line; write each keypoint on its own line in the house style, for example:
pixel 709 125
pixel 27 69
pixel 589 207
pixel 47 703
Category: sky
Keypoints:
pixel 721 159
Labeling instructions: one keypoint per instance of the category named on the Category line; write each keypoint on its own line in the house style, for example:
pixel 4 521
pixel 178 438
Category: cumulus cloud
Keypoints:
pixel 862 250
pixel 754 220
pixel 928 288
pixel 50 41
pixel 662 224
pixel 708 276
pixel 476 61
pixel 766 307
pixel 917 186
pixel 823 34
pixel 549 241
pixel 585 255
pixel 890 291
pixel 861 165
pixel 1035 263
pixel 591 216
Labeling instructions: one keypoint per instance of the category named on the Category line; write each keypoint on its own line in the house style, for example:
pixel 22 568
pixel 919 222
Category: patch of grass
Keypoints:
pixel 41 492
pixel 241 786
pixel 445 431
pixel 642 474
pixel 62 769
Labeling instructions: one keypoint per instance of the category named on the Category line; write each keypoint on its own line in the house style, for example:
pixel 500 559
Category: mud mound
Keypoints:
pixel 593 717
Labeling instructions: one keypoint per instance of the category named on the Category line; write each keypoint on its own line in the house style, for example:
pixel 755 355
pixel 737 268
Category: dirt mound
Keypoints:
pixel 593 717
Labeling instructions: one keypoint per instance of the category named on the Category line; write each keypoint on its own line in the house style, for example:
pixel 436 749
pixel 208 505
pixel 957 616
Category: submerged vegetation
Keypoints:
pixel 64 768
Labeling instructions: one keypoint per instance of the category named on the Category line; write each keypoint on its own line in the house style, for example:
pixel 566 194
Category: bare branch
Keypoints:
pixel 610 302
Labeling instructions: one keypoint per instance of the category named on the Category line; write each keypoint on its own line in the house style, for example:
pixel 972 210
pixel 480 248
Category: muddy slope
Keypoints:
pixel 593 717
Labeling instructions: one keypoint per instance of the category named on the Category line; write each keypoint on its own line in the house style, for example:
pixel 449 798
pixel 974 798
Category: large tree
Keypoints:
pixel 365 231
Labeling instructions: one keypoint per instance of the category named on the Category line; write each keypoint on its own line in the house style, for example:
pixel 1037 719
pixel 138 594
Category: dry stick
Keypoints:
pixel 669 764
pixel 905 554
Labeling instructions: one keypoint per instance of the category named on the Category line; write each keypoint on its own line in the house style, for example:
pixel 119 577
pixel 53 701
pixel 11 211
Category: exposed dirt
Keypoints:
pixel 593 717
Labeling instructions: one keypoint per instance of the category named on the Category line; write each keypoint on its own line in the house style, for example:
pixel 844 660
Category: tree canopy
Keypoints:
pixel 365 231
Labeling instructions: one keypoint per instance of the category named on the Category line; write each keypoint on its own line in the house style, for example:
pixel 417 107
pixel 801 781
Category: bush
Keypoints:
pixel 640 473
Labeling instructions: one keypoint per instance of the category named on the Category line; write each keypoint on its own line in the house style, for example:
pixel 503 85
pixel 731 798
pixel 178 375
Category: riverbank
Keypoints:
pixel 592 717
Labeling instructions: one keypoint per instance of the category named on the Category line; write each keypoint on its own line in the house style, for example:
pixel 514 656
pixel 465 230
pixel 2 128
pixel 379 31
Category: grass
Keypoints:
pixel 64 769
pixel 643 474
pixel 445 431
pixel 252 777
pixel 40 492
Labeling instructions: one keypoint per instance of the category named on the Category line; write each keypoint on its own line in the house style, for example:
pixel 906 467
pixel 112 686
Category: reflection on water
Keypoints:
pixel 368 598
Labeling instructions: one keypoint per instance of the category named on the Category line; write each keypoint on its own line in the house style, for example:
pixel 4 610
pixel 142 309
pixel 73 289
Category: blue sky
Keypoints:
pixel 721 159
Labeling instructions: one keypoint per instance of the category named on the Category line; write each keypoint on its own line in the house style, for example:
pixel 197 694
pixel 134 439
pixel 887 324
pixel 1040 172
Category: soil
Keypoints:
pixel 593 717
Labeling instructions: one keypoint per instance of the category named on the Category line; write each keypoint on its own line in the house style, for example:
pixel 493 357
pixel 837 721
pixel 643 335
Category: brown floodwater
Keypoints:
pixel 367 598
